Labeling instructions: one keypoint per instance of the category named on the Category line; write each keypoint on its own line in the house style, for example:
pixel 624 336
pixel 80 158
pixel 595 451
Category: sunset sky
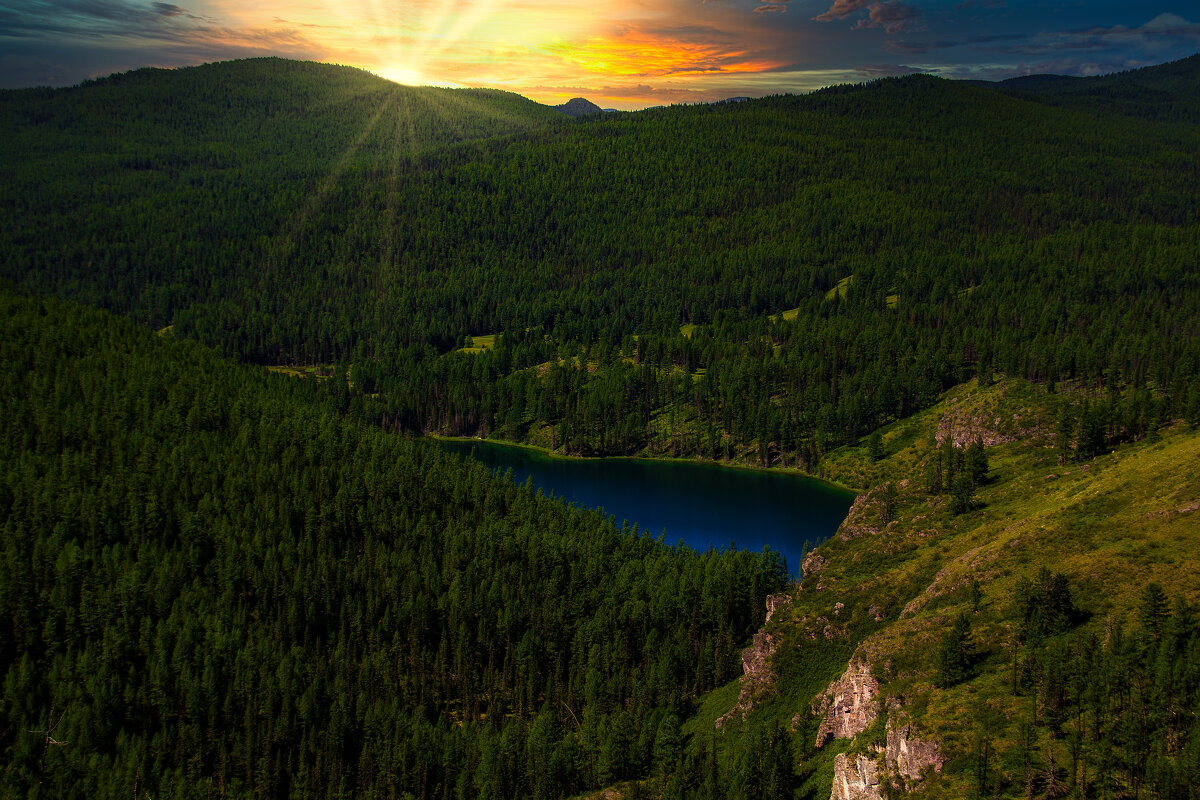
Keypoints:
pixel 619 53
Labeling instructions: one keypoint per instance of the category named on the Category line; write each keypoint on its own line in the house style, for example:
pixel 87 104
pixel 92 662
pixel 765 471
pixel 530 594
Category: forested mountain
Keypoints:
pixel 764 279
pixel 212 584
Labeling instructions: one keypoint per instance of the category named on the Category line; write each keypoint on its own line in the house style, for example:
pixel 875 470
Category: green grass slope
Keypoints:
pixel 1102 702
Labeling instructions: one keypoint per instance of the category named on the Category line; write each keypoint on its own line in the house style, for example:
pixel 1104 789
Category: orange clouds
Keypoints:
pixel 637 54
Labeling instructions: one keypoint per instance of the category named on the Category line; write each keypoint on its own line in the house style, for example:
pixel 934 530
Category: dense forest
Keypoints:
pixel 1107 714
pixel 212 584
pixel 766 279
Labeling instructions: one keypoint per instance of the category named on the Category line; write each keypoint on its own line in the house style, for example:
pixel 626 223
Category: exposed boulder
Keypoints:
pixel 849 704
pixel 812 563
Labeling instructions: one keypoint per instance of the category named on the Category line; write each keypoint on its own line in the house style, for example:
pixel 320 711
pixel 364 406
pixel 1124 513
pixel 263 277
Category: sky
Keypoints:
pixel 618 53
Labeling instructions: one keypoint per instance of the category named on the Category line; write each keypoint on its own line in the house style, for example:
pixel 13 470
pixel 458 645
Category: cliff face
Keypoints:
pixel 855 778
pixel 900 764
pixel 849 704
pixel 907 758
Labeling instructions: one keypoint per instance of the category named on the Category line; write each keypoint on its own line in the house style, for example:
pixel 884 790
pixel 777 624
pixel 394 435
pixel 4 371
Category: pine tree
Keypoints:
pixel 976 461
pixel 956 654
pixel 962 495
pixel 875 448
pixel 1153 610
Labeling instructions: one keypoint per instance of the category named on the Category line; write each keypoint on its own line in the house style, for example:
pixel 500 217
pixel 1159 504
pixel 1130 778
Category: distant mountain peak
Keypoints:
pixel 579 107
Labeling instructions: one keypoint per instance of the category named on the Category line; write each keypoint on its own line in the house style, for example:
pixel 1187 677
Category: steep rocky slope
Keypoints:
pixel 889 587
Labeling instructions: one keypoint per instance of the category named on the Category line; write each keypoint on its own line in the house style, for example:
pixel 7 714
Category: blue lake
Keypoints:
pixel 704 505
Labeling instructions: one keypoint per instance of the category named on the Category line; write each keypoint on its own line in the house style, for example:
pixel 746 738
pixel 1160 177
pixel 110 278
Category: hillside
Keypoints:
pixel 579 107
pixel 214 584
pixel 1077 675
pixel 1166 92
pixel 216 579
pixel 651 283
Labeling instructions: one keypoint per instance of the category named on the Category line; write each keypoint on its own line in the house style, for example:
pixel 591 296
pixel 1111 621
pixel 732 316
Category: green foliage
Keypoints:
pixel 975 462
pixel 211 578
pixel 296 213
pixel 888 500
pixel 875 448
pixel 956 655
pixel 962 494
pixel 1116 713
pixel 1045 607
pixel 1153 610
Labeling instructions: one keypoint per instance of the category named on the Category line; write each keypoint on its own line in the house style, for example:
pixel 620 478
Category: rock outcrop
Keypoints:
pixel 907 758
pixel 776 602
pixel 979 416
pixel 855 778
pixel 757 675
pixel 849 704
pixel 812 563
pixel 862 519
pixel 901 764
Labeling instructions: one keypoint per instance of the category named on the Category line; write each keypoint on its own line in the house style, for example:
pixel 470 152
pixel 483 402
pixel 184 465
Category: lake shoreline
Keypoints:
pixel 552 455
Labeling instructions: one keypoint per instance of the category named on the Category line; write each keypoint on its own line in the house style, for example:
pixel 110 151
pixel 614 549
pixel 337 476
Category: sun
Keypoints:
pixel 402 75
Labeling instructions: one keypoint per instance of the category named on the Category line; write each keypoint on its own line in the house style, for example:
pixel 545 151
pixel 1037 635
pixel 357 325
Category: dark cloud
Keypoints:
pixel 654 94
pixel 771 8
pixel 60 44
pixel 841 9
pixel 90 19
pixel 893 17
pixel 980 4
pixel 1164 30
pixel 918 48
pixel 1080 66
pixel 106 10
pixel 692 33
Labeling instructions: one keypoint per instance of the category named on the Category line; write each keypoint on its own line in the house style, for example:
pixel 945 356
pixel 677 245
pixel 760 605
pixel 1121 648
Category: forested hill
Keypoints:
pixel 155 183
pixel 765 279
pixel 212 584
pixel 963 230
pixel 1167 92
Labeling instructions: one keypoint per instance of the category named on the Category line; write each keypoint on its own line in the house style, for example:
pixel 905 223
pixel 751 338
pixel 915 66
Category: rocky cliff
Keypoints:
pixel 855 778
pixel 899 765
pixel 907 758
pixel 849 704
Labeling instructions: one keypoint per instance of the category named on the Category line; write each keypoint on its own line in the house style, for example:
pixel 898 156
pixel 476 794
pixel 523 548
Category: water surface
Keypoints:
pixel 705 505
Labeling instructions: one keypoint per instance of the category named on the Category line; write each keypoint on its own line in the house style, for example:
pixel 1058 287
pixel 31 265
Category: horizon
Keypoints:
pixel 630 55
pixel 560 102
